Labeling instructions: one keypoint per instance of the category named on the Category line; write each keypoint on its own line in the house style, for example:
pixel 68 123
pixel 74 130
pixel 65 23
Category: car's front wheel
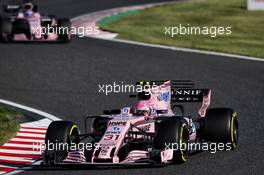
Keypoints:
pixel 60 136
pixel 173 134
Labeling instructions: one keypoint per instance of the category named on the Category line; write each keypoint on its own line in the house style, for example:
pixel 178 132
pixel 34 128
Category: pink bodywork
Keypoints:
pixel 116 132
pixel 36 30
pixel 205 104
pixel 118 127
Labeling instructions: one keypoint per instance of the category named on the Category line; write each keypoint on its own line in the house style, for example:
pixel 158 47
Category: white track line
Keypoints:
pixel 20 151
pixel 31 135
pixel 23 145
pixel 36 111
pixel 32 130
pixel 40 123
pixel 189 50
pixel 27 140
pixel 20 159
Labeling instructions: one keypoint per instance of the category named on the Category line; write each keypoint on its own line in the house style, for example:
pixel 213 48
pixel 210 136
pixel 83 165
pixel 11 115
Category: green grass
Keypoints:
pixel 247 36
pixel 8 124
pixel 109 19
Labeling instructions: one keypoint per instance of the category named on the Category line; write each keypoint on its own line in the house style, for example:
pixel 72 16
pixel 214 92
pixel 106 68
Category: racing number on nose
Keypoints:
pixel 111 137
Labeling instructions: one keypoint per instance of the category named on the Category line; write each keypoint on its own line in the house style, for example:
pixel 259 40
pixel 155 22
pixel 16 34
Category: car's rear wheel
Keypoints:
pixel 59 137
pixel 64 30
pixel 173 132
pixel 6 29
pixel 220 125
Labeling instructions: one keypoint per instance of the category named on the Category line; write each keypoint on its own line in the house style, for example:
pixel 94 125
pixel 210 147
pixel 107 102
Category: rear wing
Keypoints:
pixel 177 91
pixel 188 95
pixel 173 83
pixel 181 90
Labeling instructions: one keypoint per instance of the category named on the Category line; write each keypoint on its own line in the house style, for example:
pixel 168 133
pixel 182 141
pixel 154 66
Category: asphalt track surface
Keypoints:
pixel 63 79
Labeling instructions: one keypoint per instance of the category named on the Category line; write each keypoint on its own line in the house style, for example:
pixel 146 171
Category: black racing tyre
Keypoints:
pixel 220 125
pixel 173 132
pixel 22 26
pixel 6 30
pixel 64 28
pixel 60 133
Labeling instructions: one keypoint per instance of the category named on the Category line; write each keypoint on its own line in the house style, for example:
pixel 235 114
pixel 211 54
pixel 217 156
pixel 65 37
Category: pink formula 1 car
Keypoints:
pixel 156 131
pixel 21 21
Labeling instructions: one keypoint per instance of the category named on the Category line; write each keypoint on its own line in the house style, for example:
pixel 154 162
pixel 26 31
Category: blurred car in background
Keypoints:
pixel 21 21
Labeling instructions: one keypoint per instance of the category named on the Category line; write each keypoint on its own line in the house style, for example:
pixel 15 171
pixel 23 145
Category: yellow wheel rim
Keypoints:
pixel 234 116
pixel 182 153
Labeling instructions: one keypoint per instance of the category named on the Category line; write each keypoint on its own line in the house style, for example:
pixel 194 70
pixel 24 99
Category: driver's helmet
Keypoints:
pixel 143 108
pixel 28 9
